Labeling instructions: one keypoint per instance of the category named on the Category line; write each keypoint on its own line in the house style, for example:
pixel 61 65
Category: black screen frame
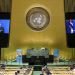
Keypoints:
pixel 4 37
pixel 70 37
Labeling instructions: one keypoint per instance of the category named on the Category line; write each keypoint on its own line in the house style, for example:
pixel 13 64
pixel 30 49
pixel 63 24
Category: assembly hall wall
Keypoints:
pixel 21 36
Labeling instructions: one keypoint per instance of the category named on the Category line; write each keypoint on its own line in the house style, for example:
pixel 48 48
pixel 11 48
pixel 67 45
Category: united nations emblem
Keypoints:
pixel 37 18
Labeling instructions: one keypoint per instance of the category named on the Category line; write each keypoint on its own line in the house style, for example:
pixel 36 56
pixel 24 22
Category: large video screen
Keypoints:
pixel 70 29
pixel 4 29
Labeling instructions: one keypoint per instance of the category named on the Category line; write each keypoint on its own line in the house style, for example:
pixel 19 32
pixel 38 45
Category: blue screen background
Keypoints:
pixel 6 25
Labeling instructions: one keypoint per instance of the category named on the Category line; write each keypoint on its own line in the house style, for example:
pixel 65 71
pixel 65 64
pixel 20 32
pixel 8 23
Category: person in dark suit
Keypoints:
pixel 46 70
pixel 70 26
pixel 1 28
pixel 3 66
pixel 72 67
pixel 16 73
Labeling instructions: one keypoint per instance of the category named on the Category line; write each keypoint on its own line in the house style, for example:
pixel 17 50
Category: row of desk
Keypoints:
pixel 60 71
pixel 13 70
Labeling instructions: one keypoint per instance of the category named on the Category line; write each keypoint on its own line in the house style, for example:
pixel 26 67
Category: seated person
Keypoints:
pixel 46 70
pixel 3 66
pixel 72 67
pixel 16 73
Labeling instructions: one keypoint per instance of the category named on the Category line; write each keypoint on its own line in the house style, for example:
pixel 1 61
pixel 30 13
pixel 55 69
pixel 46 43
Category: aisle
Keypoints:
pixel 36 72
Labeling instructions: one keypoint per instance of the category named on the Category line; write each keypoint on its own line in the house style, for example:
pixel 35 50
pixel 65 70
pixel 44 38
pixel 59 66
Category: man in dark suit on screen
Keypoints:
pixel 70 26
pixel 1 28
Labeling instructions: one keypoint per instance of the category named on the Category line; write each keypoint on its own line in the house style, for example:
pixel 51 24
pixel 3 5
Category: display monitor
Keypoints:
pixel 4 29
pixel 70 29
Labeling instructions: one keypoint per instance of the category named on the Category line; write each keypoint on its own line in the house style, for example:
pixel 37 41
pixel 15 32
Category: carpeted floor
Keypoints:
pixel 36 72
